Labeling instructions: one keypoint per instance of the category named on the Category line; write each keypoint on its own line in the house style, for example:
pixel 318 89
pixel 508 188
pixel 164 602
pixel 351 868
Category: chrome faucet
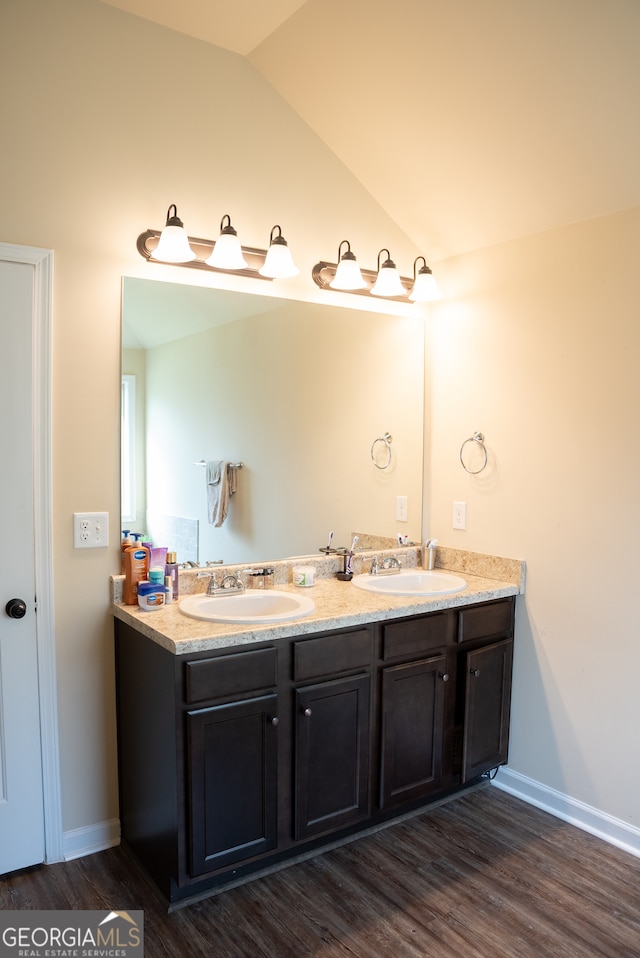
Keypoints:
pixel 429 554
pixel 230 584
pixel 388 566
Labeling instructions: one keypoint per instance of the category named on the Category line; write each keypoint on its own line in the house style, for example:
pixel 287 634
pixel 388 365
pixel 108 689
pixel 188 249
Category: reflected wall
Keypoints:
pixel 297 392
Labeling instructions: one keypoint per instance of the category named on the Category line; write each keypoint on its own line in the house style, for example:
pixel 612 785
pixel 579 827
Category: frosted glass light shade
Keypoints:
pixel 227 253
pixel 388 282
pixel 425 289
pixel 348 276
pixel 278 262
pixel 173 245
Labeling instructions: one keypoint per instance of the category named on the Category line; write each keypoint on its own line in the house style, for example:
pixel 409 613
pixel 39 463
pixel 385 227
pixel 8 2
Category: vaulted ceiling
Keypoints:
pixel 470 123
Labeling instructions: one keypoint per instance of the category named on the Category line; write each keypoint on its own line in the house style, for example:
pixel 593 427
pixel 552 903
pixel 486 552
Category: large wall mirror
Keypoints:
pixel 296 392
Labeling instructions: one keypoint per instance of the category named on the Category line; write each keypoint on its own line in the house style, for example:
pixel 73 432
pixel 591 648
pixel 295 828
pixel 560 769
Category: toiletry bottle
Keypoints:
pixel 157 563
pixel 168 590
pixel 136 567
pixel 172 570
pixel 127 542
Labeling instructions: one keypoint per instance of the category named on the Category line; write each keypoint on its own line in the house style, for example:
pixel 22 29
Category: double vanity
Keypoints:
pixel 251 742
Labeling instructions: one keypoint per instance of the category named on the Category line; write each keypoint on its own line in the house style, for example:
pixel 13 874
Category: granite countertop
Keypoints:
pixel 338 604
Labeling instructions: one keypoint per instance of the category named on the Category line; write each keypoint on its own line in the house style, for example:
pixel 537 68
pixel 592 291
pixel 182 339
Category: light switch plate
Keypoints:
pixel 90 530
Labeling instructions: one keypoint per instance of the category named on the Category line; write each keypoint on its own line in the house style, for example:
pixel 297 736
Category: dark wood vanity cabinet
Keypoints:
pixel 231 757
pixel 412 706
pixel 487 700
pixel 332 730
pixel 332 742
pixel 484 664
pixel 231 762
pixel 232 782
pixel 412 730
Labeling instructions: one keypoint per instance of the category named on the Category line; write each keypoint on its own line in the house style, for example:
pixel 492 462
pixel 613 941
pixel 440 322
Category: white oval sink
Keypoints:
pixel 254 607
pixel 411 582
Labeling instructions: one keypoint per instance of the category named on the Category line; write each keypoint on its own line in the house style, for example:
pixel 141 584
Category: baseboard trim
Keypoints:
pixel 92 838
pixel 586 817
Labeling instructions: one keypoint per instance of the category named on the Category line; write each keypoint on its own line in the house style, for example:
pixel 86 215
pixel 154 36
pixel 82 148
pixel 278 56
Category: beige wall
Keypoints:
pixel 298 394
pixel 538 346
pixel 96 145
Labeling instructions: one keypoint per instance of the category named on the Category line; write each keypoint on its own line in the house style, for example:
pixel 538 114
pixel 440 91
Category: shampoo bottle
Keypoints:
pixel 136 567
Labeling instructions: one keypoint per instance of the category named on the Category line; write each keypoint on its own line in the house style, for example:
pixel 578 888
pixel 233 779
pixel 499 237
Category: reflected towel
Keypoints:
pixel 221 484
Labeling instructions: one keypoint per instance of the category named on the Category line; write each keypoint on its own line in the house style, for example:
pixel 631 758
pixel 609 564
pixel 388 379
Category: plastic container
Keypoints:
pixel 168 590
pixel 156 576
pixel 150 596
pixel 304 575
pixel 136 568
pixel 127 542
pixel 171 569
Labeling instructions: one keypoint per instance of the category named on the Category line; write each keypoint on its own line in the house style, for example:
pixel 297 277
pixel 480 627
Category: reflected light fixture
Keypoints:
pixel 173 246
pixel 227 252
pixel 425 289
pixel 388 280
pixel 278 263
pixel 348 275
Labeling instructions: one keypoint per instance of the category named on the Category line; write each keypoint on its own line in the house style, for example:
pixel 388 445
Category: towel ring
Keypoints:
pixel 479 439
pixel 387 439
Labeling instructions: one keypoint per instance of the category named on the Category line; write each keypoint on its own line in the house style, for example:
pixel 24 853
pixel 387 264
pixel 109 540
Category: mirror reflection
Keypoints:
pixel 296 392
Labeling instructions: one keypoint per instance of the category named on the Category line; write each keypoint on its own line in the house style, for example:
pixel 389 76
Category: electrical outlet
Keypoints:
pixel 90 530
pixel 459 515
pixel 401 508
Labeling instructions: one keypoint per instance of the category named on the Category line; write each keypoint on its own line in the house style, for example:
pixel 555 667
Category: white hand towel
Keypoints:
pixel 217 476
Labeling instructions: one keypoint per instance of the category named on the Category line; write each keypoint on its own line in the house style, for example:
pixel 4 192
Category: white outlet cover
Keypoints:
pixel 90 530
pixel 459 520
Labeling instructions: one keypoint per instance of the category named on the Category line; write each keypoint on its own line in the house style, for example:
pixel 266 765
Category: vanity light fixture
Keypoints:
pixel 173 246
pixel 278 262
pixel 386 283
pixel 227 252
pixel 388 280
pixel 425 289
pixel 347 275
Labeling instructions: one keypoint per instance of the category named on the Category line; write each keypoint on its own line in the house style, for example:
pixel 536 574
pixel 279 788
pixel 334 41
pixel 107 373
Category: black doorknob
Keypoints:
pixel 16 609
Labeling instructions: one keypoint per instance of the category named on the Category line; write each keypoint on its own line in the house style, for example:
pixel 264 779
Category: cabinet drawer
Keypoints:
pixel 231 674
pixel 330 654
pixel 416 636
pixel 484 621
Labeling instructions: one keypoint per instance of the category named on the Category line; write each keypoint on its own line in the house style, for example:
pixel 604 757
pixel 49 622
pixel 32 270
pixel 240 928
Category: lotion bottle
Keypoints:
pixel 136 567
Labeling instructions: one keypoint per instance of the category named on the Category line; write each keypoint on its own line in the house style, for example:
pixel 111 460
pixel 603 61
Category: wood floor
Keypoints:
pixel 485 876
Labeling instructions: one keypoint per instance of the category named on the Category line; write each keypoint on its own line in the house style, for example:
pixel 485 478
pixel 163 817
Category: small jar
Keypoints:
pixel 150 596
pixel 304 575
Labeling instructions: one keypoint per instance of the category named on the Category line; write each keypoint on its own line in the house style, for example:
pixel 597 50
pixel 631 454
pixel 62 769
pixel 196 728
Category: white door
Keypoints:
pixel 22 796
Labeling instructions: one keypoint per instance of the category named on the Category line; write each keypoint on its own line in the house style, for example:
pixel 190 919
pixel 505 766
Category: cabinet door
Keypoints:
pixel 412 729
pixel 487 703
pixel 232 773
pixel 331 755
